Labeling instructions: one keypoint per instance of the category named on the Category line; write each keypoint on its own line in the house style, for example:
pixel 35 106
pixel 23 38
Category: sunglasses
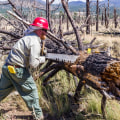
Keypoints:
pixel 44 30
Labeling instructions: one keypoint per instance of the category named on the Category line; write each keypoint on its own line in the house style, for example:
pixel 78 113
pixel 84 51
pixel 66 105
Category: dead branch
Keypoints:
pixel 93 40
pixel 15 9
pixel 51 74
pixel 49 62
pixel 17 17
pixel 54 9
pixel 39 8
pixel 11 34
pixel 72 32
pixel 54 66
pixel 51 2
pixel 5 48
pixel 4 3
pixel 61 41
pixel 80 46
pixel 9 22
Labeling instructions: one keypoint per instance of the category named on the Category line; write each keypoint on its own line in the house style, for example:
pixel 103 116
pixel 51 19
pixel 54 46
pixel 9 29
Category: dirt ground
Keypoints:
pixel 11 110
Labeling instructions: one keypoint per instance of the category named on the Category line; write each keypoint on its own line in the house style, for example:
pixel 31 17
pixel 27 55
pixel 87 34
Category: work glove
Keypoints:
pixel 43 52
pixel 41 59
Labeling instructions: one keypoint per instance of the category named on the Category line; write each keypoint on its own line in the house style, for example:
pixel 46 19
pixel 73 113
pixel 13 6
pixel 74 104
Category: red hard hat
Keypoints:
pixel 40 22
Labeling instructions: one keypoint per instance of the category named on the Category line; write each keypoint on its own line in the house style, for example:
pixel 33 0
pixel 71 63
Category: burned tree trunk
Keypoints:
pixel 67 17
pixel 79 17
pixel 102 19
pixel 115 18
pixel 108 14
pixel 88 14
pixel 80 46
pixel 60 27
pixel 97 15
pixel 106 19
pixel 48 13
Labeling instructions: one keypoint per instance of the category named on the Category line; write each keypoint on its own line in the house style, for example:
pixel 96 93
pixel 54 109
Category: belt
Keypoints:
pixel 16 66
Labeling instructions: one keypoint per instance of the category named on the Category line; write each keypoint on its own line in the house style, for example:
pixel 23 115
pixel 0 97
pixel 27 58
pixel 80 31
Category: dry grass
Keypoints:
pixel 111 41
pixel 53 98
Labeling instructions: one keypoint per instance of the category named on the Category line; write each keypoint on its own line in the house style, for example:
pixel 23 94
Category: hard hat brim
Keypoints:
pixel 40 27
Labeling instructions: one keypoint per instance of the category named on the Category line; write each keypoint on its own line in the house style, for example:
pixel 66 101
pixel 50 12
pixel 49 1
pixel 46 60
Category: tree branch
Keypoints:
pixel 15 9
pixel 11 34
pixel 80 45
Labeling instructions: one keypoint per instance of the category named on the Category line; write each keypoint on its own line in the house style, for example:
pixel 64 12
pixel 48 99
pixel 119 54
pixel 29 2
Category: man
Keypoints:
pixel 24 54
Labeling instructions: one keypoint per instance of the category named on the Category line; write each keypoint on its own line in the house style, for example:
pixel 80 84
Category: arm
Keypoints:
pixel 35 58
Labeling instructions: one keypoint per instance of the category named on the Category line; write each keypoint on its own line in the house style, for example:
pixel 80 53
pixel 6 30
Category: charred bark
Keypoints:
pixel 88 14
pixel 97 15
pixel 115 18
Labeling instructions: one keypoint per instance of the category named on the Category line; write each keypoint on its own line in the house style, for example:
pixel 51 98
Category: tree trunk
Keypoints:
pixel 80 46
pixel 48 14
pixel 67 17
pixel 97 14
pixel 115 18
pixel 87 14
pixel 108 9
pixel 102 19
pixel 106 19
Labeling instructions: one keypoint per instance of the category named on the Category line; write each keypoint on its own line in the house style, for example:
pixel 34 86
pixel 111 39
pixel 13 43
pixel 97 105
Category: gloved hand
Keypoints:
pixel 43 52
pixel 41 59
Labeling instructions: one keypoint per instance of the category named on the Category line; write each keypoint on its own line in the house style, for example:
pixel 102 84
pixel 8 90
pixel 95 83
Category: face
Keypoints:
pixel 41 33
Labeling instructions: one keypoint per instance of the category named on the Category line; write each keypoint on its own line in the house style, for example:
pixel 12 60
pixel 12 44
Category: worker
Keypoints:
pixel 23 55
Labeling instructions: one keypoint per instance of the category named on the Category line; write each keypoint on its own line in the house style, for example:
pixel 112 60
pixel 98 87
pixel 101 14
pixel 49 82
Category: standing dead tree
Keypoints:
pixel 67 17
pixel 88 14
pixel 48 12
pixel 108 9
pixel 97 15
pixel 106 19
pixel 115 18
pixel 80 47
pixel 102 19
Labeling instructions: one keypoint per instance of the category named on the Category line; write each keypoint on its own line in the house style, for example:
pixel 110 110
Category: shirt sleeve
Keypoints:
pixel 35 58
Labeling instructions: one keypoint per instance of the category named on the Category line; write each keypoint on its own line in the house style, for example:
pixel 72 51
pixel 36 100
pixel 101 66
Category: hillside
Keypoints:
pixel 76 5
pixel 40 1
pixel 114 2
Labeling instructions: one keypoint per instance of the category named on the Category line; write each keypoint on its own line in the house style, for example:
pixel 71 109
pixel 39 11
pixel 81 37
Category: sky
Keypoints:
pixel 58 1
pixel 3 0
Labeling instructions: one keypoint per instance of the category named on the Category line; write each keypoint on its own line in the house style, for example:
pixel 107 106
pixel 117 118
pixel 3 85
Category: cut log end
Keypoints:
pixel 111 75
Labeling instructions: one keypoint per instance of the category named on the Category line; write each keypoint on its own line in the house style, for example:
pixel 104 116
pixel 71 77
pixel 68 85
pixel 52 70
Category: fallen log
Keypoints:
pixel 100 71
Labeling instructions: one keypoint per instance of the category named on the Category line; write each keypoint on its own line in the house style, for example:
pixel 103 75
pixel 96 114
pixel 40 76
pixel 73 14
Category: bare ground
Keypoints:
pixel 10 109
pixel 13 108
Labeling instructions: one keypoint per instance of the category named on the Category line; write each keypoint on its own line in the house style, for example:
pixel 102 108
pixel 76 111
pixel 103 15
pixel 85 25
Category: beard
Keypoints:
pixel 43 37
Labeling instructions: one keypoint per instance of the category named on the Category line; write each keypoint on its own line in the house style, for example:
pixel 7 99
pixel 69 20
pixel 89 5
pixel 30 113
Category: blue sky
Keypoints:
pixel 58 1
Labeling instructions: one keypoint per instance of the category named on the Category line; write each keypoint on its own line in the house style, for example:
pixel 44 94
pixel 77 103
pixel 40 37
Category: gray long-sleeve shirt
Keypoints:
pixel 26 52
